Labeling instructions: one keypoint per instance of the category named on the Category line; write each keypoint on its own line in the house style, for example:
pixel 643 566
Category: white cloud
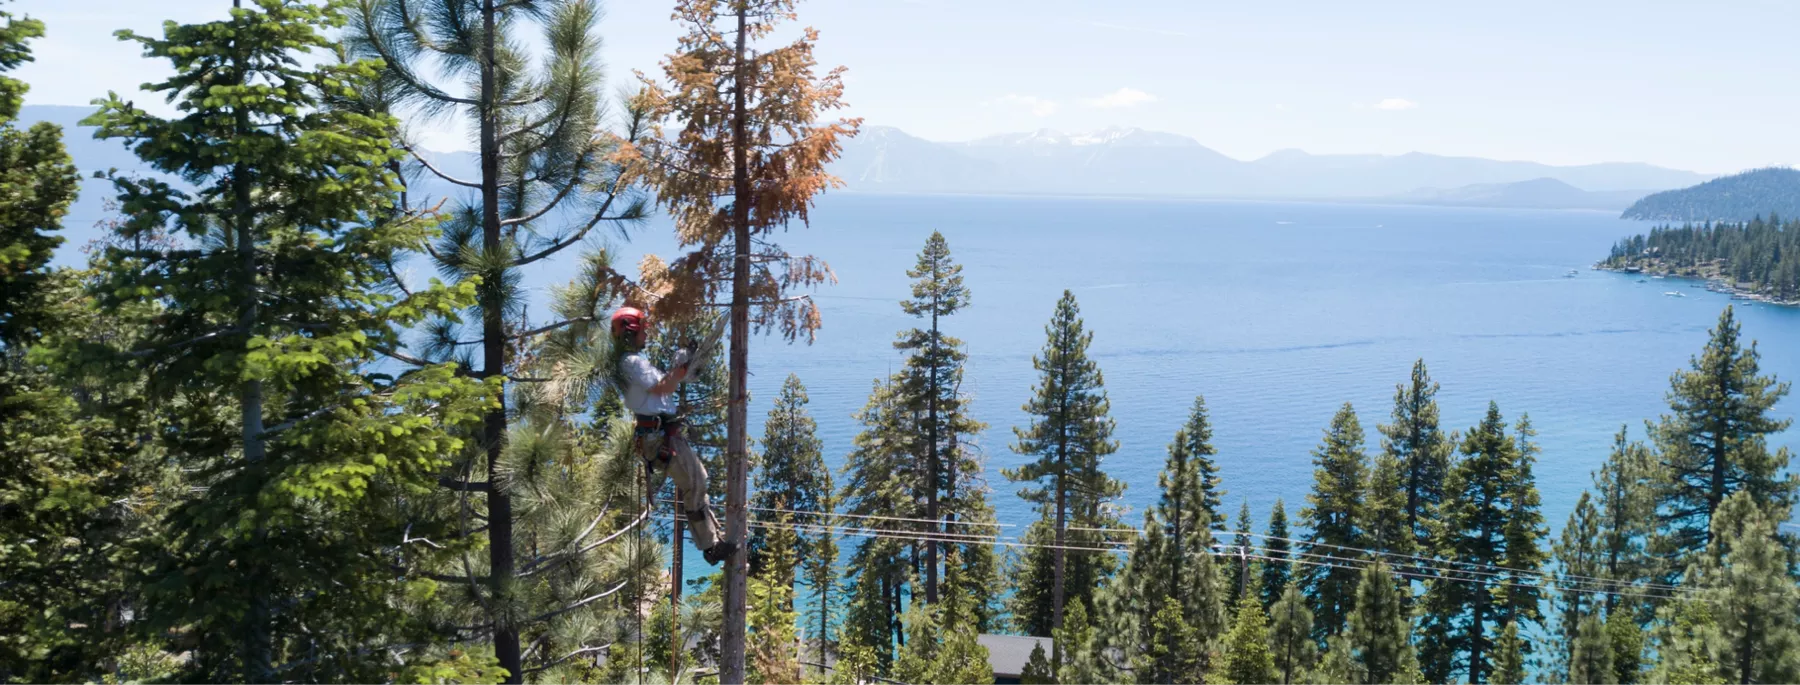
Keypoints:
pixel 1134 29
pixel 1038 106
pixel 1123 97
pixel 1395 104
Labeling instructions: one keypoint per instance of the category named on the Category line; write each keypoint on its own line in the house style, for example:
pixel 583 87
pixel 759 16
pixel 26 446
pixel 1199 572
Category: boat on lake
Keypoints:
pixel 1672 293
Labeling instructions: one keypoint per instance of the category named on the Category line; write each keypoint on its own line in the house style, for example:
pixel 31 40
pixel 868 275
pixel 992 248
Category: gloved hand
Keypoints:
pixel 681 358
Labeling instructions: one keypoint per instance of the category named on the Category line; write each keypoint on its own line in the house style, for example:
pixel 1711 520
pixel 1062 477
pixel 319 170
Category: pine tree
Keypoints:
pixel 1338 664
pixel 1684 655
pixel 65 458
pixel 771 644
pixel 38 182
pixel 1509 657
pixel 1074 654
pixel 1172 654
pixel 749 129
pixel 1290 635
pixel 1247 655
pixel 1714 443
pixel 1414 440
pixel 1590 655
pixel 1483 491
pixel 1756 603
pixel 919 657
pixel 1578 554
pixel 1384 508
pixel 793 467
pixel 820 571
pixel 303 458
pixel 547 177
pixel 1193 448
pixel 1521 595
pixel 1380 632
pixel 1333 518
pixel 1069 436
pixel 1241 576
pixel 1037 669
pixel 1627 642
pixel 962 658
pixel 1278 569
pixel 877 471
pixel 1625 487
pixel 933 382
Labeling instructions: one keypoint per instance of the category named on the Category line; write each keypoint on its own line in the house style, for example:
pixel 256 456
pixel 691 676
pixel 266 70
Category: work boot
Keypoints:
pixel 718 552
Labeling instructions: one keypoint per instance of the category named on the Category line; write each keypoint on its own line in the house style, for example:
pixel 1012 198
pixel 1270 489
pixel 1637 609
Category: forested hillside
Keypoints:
pixel 239 445
pixel 1739 197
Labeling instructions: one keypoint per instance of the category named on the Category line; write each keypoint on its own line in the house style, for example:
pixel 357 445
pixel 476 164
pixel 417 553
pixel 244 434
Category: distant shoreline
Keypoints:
pixel 1714 282
pixel 1373 201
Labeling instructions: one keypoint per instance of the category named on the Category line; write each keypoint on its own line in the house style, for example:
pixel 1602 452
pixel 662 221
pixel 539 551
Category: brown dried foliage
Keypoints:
pixel 688 160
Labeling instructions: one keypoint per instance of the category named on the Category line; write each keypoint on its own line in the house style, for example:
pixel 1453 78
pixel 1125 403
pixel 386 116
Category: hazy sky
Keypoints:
pixel 1706 86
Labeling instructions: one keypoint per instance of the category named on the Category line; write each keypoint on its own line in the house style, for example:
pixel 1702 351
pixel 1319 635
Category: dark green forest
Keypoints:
pixel 237 446
pixel 1738 197
pixel 1760 256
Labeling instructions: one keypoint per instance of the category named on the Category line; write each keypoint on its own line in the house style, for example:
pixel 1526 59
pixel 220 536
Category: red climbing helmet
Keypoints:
pixel 627 321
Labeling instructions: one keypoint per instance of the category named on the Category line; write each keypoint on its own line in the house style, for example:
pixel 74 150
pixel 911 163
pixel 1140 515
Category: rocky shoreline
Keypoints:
pixel 1714 283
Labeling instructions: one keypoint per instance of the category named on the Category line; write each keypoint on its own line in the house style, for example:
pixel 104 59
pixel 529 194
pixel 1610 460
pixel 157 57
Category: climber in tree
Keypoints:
pixel 649 393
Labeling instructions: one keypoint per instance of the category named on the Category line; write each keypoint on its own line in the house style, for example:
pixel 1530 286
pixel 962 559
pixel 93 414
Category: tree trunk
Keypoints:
pixel 493 360
pixel 931 463
pixel 259 643
pixel 731 671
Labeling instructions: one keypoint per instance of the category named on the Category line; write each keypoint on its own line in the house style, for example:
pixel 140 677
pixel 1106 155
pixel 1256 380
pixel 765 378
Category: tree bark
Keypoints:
pixel 493 347
pixel 731 670
pixel 931 459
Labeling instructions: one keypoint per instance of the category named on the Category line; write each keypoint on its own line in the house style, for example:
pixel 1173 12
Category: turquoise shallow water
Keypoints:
pixel 1276 312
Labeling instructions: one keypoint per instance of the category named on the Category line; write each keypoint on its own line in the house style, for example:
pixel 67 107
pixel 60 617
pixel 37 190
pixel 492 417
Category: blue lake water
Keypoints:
pixel 1277 312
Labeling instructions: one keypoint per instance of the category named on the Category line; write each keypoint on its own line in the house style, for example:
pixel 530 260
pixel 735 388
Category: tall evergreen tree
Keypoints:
pixel 1755 601
pixel 1247 655
pixel 1278 569
pixel 38 182
pixel 1074 655
pixel 1590 654
pixel 793 467
pixel 1334 522
pixel 1380 632
pixel 1290 635
pixel 1481 496
pixel 933 383
pixel 1509 657
pixel 1193 449
pixel 1577 554
pixel 546 178
pixel 877 473
pixel 820 571
pixel 1625 487
pixel 1521 594
pixel 1069 436
pixel 1173 652
pixel 1714 442
pixel 1384 508
pixel 747 159
pixel 1241 575
pixel 69 468
pixel 771 645
pixel 1627 641
pixel 304 457
pixel 1414 440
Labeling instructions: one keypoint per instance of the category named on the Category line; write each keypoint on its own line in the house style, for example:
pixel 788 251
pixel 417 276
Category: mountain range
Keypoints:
pixel 1139 162
pixel 1115 161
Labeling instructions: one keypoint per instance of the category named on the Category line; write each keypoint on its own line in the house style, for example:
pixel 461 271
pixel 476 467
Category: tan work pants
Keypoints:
pixel 683 465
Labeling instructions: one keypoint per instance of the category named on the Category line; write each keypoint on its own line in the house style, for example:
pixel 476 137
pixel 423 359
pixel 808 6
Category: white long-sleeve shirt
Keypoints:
pixel 640 375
